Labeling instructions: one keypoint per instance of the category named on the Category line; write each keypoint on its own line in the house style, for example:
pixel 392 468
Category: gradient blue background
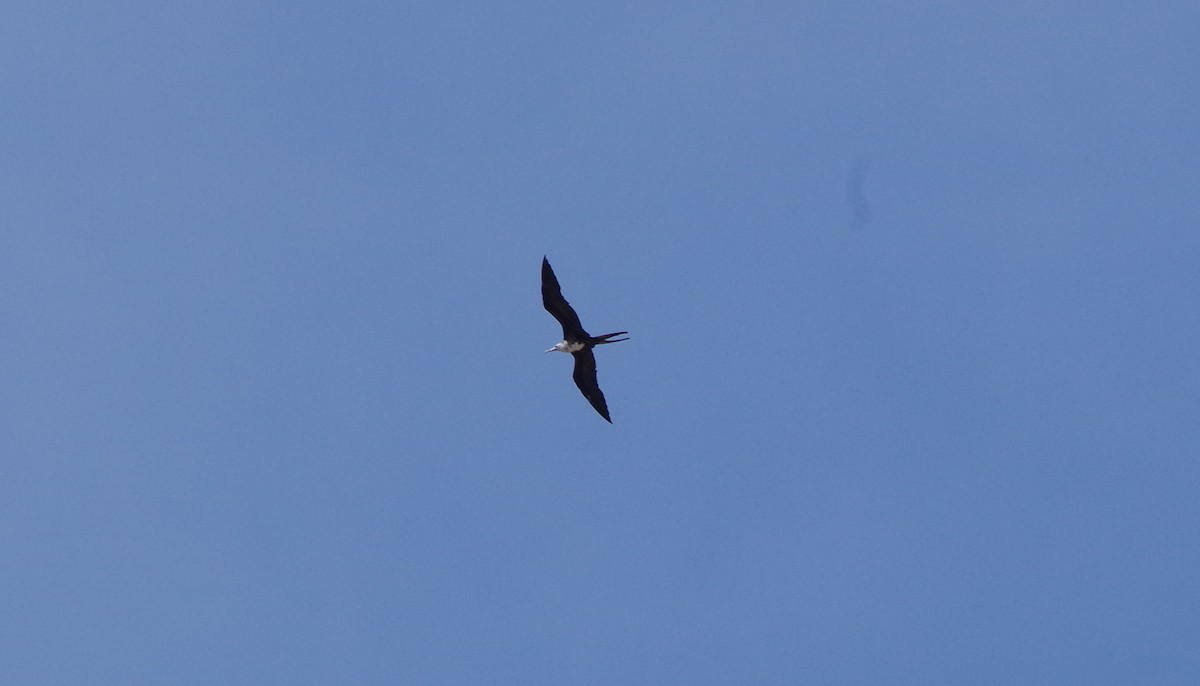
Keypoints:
pixel 274 407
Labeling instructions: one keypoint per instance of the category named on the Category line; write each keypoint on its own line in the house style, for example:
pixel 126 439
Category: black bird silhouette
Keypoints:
pixel 575 340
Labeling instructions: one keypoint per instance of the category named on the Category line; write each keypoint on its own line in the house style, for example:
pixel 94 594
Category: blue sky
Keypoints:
pixel 274 407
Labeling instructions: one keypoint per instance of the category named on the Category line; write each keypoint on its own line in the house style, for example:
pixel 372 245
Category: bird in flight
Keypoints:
pixel 575 340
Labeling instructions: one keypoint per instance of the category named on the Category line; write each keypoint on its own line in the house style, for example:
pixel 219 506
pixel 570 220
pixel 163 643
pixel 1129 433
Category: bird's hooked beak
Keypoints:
pixel 551 350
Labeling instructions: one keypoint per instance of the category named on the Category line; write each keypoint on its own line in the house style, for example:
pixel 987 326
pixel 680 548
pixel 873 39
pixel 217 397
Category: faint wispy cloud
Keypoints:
pixel 856 194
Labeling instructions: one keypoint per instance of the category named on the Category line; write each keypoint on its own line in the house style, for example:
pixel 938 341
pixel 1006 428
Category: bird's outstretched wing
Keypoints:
pixel 557 305
pixel 585 378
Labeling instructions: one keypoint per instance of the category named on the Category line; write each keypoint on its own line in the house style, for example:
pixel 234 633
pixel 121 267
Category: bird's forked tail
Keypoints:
pixel 608 338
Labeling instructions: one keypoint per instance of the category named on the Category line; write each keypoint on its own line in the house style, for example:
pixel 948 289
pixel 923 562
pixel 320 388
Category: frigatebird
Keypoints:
pixel 575 340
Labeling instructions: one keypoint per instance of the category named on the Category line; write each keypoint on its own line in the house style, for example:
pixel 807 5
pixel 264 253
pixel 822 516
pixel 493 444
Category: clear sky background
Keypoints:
pixel 912 395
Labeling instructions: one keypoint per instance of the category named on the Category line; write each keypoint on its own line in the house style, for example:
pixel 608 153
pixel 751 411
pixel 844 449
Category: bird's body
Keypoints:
pixel 566 346
pixel 576 340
